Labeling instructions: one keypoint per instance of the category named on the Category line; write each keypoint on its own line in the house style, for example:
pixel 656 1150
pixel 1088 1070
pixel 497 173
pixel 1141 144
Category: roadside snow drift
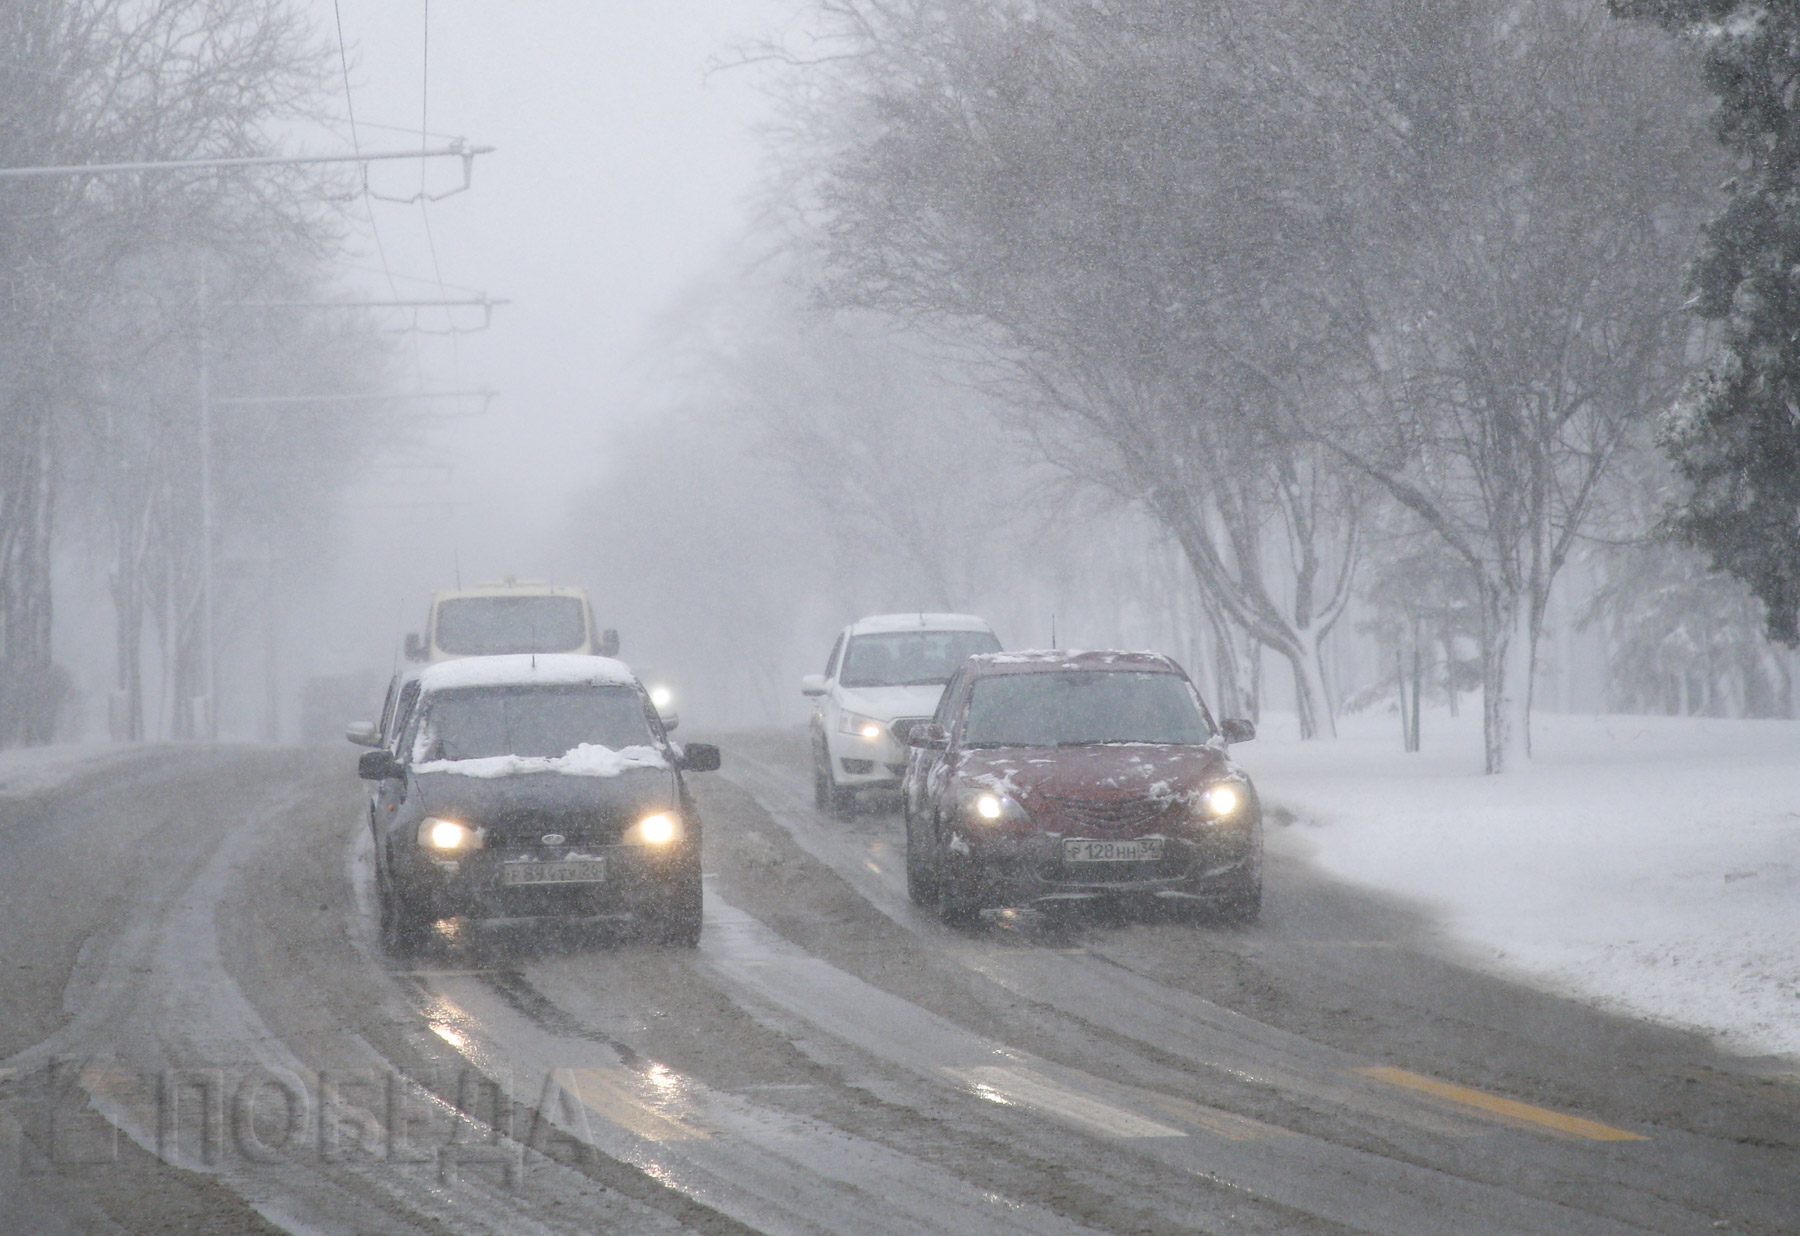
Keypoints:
pixel 1650 864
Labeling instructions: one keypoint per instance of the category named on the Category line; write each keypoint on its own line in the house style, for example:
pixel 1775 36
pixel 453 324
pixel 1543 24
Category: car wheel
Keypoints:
pixel 958 903
pixel 843 802
pixel 404 927
pixel 1244 900
pixel 677 921
pixel 821 777
pixel 921 875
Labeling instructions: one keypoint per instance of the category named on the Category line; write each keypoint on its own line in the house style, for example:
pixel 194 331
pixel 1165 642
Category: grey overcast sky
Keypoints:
pixel 622 170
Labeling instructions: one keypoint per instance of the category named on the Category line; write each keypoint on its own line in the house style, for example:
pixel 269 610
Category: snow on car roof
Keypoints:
pixel 559 669
pixel 918 621
pixel 1074 658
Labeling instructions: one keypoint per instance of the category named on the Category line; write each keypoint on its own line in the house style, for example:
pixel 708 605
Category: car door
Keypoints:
pixel 825 709
pixel 391 792
pixel 933 764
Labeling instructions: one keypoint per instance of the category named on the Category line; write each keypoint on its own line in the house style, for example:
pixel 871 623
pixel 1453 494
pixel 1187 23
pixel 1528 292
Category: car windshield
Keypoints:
pixel 911 658
pixel 1079 707
pixel 490 626
pixel 540 721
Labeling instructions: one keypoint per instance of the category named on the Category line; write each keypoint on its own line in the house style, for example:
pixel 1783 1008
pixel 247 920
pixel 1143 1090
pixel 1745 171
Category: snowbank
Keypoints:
pixel 1651 864
pixel 29 771
pixel 587 760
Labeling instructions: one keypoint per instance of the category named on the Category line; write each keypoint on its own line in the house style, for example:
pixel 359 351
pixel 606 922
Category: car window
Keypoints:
pixel 950 700
pixel 832 660
pixel 387 706
pixel 529 720
pixel 910 658
pixel 403 711
pixel 489 626
pixel 1082 707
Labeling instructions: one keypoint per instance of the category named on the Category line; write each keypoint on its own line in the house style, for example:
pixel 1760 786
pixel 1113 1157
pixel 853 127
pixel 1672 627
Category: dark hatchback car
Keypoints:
pixel 1050 777
pixel 534 786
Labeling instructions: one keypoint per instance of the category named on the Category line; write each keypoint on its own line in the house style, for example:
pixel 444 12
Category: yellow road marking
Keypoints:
pixel 1506 1109
pixel 1017 1087
pixel 609 1094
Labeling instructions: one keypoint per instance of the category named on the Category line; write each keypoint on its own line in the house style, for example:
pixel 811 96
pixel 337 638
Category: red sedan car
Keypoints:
pixel 1051 777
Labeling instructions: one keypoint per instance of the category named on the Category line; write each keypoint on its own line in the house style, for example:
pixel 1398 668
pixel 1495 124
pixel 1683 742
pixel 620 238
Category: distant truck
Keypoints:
pixel 510 616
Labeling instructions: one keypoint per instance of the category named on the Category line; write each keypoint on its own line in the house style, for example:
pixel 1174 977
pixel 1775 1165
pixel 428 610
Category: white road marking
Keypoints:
pixel 1012 1085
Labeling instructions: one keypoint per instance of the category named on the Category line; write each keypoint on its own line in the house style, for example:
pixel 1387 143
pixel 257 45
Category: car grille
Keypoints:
pixel 526 831
pixel 1109 816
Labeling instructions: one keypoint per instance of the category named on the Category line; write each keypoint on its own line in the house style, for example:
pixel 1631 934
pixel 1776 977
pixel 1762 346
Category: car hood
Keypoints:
pixel 886 703
pixel 542 793
pixel 1112 773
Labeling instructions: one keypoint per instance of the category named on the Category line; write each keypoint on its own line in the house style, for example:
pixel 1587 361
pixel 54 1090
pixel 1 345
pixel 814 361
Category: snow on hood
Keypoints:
pixel 587 760
pixel 1113 771
pixel 557 669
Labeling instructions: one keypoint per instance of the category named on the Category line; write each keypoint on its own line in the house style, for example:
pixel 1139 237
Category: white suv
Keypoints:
pixel 885 674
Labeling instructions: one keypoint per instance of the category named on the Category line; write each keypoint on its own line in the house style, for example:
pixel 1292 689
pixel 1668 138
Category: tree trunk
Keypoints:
pixel 1507 656
pixel 1311 699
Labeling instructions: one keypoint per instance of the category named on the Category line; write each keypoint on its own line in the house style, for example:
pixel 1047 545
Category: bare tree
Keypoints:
pixel 1038 185
pixel 116 80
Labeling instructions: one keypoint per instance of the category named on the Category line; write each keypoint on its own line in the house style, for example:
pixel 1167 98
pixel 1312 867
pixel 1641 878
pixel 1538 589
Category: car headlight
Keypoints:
pixel 658 828
pixel 1222 801
pixel 861 726
pixel 438 833
pixel 661 698
pixel 991 807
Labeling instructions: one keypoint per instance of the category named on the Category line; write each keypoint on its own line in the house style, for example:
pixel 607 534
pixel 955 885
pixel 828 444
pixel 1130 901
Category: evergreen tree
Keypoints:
pixel 1735 436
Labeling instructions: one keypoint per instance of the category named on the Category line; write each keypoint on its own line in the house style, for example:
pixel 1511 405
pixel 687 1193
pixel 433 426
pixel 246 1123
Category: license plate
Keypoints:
pixel 1137 850
pixel 567 871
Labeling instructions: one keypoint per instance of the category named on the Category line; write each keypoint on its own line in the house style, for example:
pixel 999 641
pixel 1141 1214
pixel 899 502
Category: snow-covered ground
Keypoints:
pixel 1651 864
pixel 28 771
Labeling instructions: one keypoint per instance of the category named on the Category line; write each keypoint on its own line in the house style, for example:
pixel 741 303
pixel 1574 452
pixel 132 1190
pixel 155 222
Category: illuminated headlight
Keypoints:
pixel 441 834
pixel 861 726
pixel 1222 800
pixel 661 697
pixel 658 829
pixel 991 807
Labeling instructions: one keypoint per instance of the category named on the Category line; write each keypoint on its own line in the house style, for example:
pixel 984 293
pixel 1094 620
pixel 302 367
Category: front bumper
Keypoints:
pixel 866 763
pixel 1028 869
pixel 637 879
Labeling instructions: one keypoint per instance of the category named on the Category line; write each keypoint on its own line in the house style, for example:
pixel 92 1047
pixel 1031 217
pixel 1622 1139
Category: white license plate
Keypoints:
pixel 568 871
pixel 1138 850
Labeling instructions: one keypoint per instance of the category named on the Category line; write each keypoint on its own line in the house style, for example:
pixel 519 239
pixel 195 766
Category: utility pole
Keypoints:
pixel 209 650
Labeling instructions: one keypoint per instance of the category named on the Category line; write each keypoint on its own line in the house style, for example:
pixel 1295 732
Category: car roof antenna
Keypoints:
pixel 1052 630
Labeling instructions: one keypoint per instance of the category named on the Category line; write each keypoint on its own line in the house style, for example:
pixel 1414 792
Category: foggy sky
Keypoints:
pixel 621 172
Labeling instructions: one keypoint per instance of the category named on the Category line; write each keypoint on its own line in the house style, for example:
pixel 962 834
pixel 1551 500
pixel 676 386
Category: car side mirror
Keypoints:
pixel 814 684
pixel 1237 729
pixel 363 733
pixel 700 757
pixel 669 720
pixel 609 642
pixel 930 736
pixel 379 766
pixel 415 647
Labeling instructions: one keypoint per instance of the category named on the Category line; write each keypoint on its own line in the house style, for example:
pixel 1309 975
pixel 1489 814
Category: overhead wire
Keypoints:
pixel 337 13
pixel 424 200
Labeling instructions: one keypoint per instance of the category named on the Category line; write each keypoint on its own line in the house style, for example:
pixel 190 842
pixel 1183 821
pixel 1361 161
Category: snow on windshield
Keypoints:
pixel 532 722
